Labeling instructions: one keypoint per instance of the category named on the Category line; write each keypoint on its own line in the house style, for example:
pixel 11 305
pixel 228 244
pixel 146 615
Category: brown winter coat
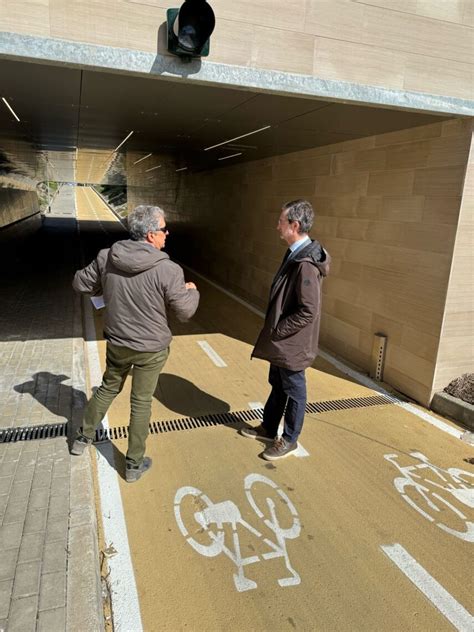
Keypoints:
pixel 140 285
pixel 290 334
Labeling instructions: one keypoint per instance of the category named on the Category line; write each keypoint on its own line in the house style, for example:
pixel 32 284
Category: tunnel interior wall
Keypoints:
pixel 387 210
pixel 16 205
pixel 455 354
pixel 372 43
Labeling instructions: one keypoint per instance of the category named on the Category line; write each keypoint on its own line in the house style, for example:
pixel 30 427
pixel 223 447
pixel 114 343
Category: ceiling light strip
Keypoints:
pixel 10 108
pixel 124 141
pixel 230 156
pixel 144 158
pixel 152 168
pixel 182 169
pixel 237 137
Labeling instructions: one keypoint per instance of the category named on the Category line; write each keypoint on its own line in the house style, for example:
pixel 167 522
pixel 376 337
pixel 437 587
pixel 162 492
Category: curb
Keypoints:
pixel 449 406
pixel 85 610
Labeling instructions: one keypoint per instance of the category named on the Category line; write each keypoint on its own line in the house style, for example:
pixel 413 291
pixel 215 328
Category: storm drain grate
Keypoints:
pixel 51 431
pixel 29 433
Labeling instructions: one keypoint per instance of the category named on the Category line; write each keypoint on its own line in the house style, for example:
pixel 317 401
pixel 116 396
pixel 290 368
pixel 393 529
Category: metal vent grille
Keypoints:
pixel 51 431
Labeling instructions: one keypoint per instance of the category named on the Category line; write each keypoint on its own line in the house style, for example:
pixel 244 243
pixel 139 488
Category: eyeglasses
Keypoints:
pixel 163 229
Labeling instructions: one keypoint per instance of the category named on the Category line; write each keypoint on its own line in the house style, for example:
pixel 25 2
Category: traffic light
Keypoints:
pixel 189 29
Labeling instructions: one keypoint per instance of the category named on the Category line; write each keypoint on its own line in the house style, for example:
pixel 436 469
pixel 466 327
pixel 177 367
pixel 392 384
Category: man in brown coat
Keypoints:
pixel 289 338
pixel 140 286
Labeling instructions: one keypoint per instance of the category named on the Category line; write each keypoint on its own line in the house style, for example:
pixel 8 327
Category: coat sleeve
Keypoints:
pixel 181 301
pixel 88 280
pixel 307 303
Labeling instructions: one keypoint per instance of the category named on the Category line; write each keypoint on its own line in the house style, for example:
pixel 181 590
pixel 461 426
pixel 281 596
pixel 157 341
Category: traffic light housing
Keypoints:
pixel 189 29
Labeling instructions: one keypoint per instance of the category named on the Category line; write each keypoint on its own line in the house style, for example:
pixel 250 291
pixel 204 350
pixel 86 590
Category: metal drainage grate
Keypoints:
pixel 29 433
pixel 51 431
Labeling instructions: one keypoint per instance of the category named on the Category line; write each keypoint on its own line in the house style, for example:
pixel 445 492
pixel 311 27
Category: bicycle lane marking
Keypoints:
pixel 456 614
pixel 300 451
pixel 228 513
pixel 124 594
pixel 436 492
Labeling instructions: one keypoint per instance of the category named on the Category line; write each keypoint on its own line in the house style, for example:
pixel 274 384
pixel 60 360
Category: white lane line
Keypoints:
pixel 360 377
pixel 124 594
pixel 206 347
pixel 434 421
pixel 456 614
pixel 300 451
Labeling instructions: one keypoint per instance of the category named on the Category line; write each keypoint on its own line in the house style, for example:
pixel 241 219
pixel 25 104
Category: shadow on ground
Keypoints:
pixel 185 398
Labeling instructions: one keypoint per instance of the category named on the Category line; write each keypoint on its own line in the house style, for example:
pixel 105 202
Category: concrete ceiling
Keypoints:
pixel 61 109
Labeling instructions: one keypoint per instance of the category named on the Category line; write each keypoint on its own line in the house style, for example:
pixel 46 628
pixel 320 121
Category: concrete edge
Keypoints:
pixel 84 607
pixel 19 47
pixel 448 406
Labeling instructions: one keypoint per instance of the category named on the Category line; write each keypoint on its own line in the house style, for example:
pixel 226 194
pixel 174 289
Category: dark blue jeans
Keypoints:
pixel 288 389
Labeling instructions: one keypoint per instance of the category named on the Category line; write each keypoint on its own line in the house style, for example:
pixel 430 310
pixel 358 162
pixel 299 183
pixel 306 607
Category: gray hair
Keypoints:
pixel 144 219
pixel 300 211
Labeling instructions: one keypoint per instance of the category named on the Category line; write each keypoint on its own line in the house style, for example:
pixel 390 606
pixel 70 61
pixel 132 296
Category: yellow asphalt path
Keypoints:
pixel 310 529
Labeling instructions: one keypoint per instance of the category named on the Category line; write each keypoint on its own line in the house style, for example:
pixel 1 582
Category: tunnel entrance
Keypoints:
pixel 386 184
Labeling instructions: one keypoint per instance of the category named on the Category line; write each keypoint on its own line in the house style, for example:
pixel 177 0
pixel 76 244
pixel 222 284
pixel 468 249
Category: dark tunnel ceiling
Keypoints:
pixel 63 108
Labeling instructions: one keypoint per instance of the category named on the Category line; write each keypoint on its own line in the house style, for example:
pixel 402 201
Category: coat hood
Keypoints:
pixel 135 256
pixel 317 255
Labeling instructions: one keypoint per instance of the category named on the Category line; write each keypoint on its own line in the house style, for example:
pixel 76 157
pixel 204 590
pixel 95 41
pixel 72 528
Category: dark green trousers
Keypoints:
pixel 146 370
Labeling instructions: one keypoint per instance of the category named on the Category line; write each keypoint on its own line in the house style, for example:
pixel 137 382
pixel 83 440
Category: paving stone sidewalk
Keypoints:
pixel 49 570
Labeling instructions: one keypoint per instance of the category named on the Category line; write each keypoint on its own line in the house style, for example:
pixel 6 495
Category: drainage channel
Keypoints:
pixel 52 431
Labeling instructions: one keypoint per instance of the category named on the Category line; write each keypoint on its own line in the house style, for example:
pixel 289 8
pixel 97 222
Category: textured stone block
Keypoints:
pixel 10 536
pixel 54 557
pixel 6 588
pixel 27 579
pixel 52 620
pixel 53 590
pixel 41 479
pixel 35 520
pixel 39 498
pixel 8 565
pixel 31 548
pixel 15 512
pixel 23 613
pixel 5 484
pixel 57 529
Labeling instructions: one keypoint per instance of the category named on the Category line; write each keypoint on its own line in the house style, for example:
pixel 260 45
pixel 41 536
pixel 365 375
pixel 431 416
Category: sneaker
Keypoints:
pixel 133 472
pixel 279 449
pixel 256 433
pixel 79 445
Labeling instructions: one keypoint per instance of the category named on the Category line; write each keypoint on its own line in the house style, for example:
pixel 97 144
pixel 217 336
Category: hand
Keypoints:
pixel 191 286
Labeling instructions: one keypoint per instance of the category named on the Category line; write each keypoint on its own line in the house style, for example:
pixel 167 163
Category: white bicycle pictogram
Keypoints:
pixel 212 518
pixel 434 492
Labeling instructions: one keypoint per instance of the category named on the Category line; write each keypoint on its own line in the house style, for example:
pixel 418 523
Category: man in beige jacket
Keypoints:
pixel 140 285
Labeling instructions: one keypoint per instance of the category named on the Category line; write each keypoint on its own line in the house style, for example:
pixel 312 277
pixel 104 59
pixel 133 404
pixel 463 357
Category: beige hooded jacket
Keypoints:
pixel 140 285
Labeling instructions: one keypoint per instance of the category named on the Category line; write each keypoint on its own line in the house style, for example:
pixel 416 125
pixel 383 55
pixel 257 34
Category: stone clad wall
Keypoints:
pixel 373 42
pixel 16 205
pixel 456 348
pixel 387 210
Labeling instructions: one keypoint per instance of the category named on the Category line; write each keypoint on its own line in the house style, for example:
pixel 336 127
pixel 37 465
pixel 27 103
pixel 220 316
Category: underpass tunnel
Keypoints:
pixel 388 185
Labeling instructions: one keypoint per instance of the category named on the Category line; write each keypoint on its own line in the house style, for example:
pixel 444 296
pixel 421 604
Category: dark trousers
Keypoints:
pixel 146 370
pixel 288 389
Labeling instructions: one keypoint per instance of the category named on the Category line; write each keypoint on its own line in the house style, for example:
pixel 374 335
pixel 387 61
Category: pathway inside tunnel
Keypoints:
pixel 370 527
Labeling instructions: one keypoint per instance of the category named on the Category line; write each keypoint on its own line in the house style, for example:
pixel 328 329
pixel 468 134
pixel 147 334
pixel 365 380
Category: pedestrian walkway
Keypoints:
pixel 64 202
pixel 49 571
